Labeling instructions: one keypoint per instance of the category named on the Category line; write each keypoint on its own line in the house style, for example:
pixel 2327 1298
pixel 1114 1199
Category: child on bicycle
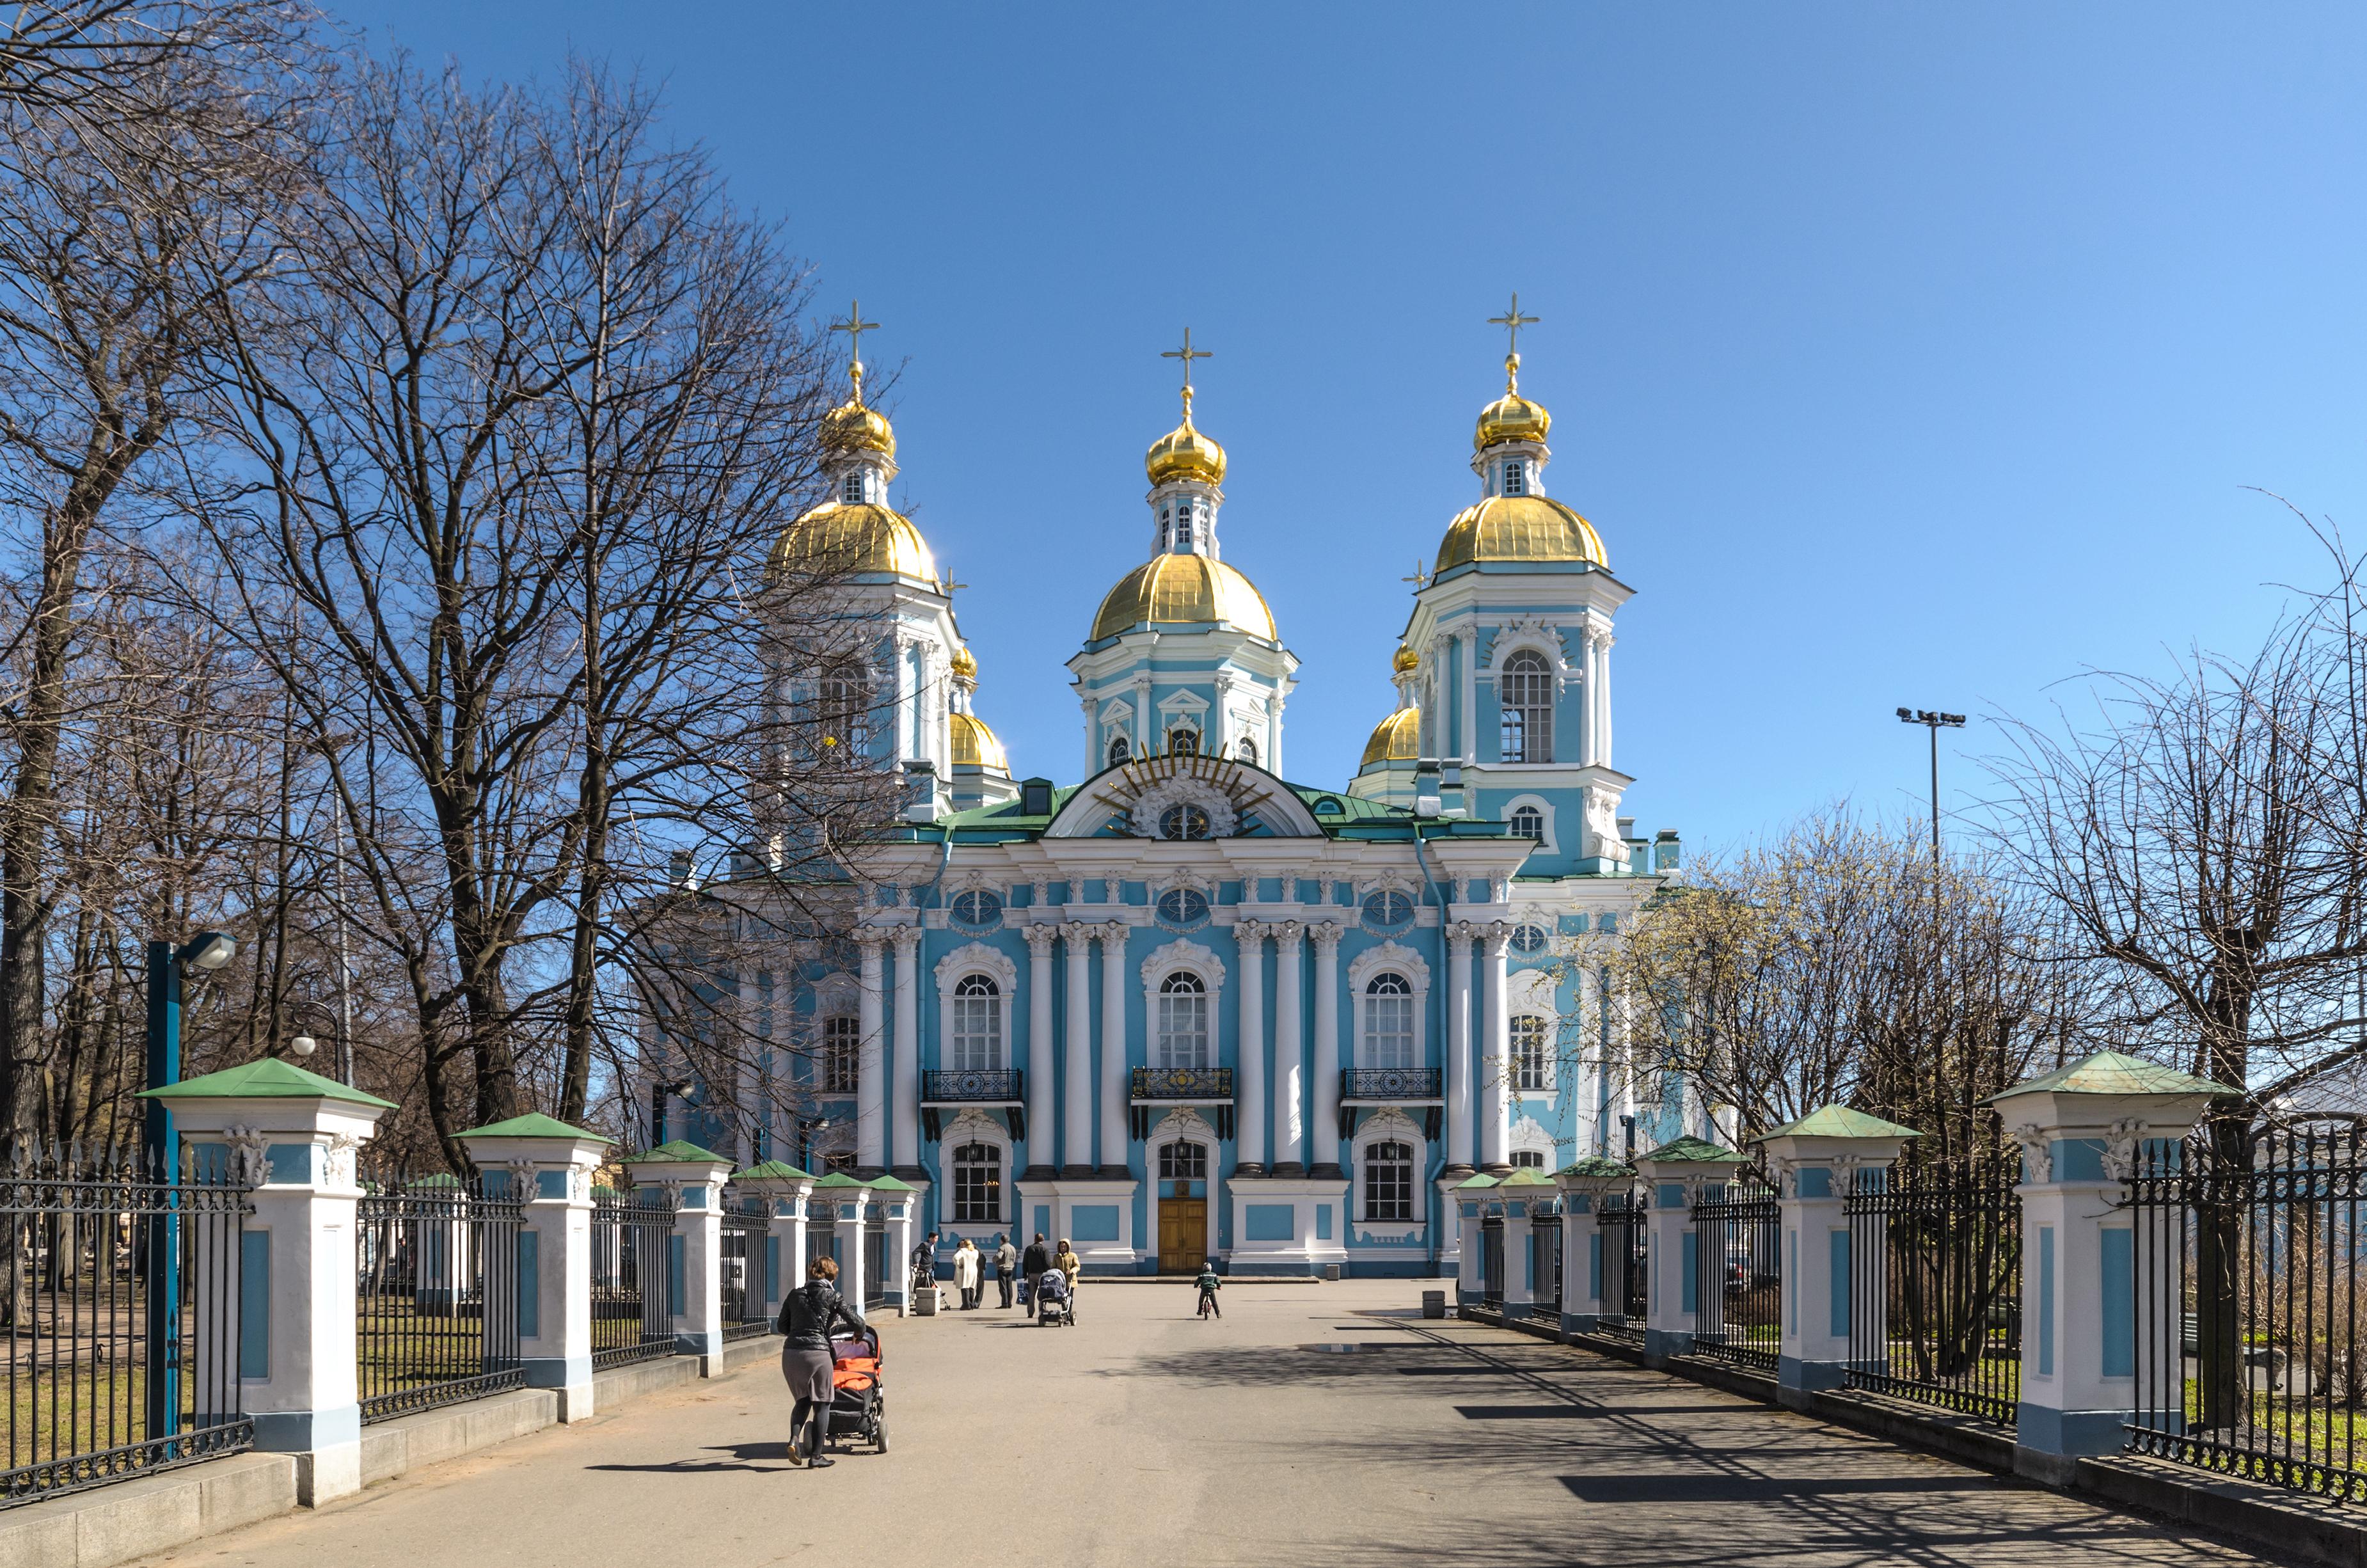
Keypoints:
pixel 1209 1285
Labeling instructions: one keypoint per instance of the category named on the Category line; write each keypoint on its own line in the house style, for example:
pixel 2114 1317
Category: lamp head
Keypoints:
pixel 304 1045
pixel 209 949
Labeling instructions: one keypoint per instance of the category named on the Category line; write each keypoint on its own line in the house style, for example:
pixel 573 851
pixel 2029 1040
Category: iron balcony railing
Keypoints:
pixel 993 1086
pixel 1183 1083
pixel 1395 1086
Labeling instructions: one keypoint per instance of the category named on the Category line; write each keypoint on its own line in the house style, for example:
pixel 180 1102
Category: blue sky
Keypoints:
pixel 1901 354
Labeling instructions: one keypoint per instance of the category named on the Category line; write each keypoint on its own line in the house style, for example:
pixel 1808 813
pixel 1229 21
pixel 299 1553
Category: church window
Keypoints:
pixel 1389 1022
pixel 977 1024
pixel 840 1053
pixel 978 1185
pixel 1183 1160
pixel 850 489
pixel 1528 1159
pixel 1247 749
pixel 1529 822
pixel 1119 751
pixel 1387 911
pixel 1388 1181
pixel 841 700
pixel 1526 689
pixel 840 1161
pixel 1183 909
pixel 977 909
pixel 1183 740
pixel 1183 823
pixel 1529 939
pixel 1515 478
pixel 1530 1069
pixel 1183 1021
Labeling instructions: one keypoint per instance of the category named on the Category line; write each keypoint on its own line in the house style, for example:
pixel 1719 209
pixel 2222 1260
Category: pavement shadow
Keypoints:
pixel 1710 1486
pixel 742 1455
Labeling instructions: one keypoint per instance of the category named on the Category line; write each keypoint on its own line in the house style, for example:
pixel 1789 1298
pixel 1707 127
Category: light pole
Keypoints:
pixel 166 963
pixel 1935 722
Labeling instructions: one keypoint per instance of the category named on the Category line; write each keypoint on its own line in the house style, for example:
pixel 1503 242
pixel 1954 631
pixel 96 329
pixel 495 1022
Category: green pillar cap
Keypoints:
pixel 680 1151
pixel 533 1124
pixel 1838 1121
pixel 772 1170
pixel 270 1078
pixel 2114 1073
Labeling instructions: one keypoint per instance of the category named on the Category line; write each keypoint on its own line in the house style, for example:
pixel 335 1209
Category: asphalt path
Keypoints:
pixel 1313 1426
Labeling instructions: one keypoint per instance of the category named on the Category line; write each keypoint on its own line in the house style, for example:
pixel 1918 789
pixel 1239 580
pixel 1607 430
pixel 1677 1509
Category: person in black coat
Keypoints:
pixel 1036 1259
pixel 807 1317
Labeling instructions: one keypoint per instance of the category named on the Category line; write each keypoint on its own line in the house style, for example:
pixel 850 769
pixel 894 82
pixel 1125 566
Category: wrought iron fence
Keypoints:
pixel 1545 1263
pixel 437 1303
pixel 1935 1282
pixel 752 1266
pixel 632 1250
pixel 1737 1243
pixel 1491 1261
pixel 2245 1246
pixel 123 1309
pixel 1627 1238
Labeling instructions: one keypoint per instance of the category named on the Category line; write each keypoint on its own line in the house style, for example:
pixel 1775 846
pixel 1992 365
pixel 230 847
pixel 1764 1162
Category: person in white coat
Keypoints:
pixel 965 1273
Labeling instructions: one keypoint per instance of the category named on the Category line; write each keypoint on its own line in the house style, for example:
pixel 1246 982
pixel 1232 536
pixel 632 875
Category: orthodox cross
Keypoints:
pixel 1187 354
pixel 1419 579
pixel 855 326
pixel 1512 321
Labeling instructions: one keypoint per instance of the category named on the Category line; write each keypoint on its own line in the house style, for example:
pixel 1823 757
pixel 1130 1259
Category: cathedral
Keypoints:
pixel 1184 1007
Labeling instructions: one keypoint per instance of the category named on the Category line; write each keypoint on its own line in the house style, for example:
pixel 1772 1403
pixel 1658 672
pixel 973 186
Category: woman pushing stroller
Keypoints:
pixel 806 1318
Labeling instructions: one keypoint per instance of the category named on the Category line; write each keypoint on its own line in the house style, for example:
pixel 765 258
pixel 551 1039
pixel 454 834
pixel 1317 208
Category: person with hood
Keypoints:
pixel 1032 1267
pixel 1006 1267
pixel 806 1316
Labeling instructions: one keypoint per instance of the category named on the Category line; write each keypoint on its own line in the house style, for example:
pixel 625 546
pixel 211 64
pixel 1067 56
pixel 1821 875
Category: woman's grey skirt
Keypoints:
pixel 807 1372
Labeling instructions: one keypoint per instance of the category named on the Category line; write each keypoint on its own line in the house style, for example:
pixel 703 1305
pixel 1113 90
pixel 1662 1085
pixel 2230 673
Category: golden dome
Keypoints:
pixel 1184 453
pixel 852 427
pixel 1396 738
pixel 964 666
pixel 975 746
pixel 1510 417
pixel 836 538
pixel 1183 590
pixel 1519 528
pixel 1405 660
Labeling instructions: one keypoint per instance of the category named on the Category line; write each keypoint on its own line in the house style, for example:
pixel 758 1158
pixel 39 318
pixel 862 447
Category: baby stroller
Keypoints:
pixel 858 1395
pixel 1054 1302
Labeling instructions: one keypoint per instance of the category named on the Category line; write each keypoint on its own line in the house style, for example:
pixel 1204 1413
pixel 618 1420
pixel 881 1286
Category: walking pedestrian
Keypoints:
pixel 1006 1265
pixel 804 1326
pixel 1069 1265
pixel 924 1265
pixel 966 1265
pixel 1209 1285
pixel 1032 1267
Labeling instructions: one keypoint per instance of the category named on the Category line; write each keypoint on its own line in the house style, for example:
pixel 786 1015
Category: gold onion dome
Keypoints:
pixel 1519 528
pixel 1405 661
pixel 838 536
pixel 853 427
pixel 1510 417
pixel 965 664
pixel 1183 590
pixel 975 746
pixel 1184 453
pixel 1396 738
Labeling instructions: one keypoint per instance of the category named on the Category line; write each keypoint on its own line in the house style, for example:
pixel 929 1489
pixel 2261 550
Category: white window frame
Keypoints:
pixel 1193 959
pixel 1545 1051
pixel 1552 675
pixel 1551 843
pixel 975 1126
pixel 1390 1127
pixel 835 996
pixel 1529 1133
pixel 1396 957
pixel 973 958
pixel 1184 1126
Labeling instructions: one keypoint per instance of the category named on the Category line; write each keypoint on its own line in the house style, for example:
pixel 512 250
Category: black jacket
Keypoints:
pixel 807 1315
pixel 1036 1259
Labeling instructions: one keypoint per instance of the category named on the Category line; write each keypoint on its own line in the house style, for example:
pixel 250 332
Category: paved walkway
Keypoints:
pixel 1314 1425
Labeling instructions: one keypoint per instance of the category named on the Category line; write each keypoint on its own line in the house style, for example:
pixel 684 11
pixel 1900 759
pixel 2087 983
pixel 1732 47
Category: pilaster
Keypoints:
pixel 906 1119
pixel 1678 1174
pixel 695 1252
pixel 1324 1158
pixel 1585 1186
pixel 1816 1159
pixel 551 1164
pixel 784 1191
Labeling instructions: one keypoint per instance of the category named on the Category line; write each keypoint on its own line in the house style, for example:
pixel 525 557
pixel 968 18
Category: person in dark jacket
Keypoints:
pixel 1032 1266
pixel 807 1317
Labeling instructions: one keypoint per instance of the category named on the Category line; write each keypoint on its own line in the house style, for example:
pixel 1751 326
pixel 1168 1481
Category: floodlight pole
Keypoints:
pixel 1934 722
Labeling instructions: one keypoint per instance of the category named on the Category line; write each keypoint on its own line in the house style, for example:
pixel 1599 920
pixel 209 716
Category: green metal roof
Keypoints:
pixel 1527 1175
pixel 2113 1073
pixel 837 1179
pixel 1481 1180
pixel 772 1170
pixel 268 1078
pixel 1692 1149
pixel 1838 1121
pixel 533 1124
pixel 890 1184
pixel 679 1150
pixel 1597 1165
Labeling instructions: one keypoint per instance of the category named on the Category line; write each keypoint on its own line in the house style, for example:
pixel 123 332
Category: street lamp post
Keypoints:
pixel 1935 722
pixel 167 965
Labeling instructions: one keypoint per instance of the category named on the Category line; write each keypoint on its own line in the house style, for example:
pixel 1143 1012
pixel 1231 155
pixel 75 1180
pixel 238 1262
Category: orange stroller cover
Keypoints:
pixel 855 1373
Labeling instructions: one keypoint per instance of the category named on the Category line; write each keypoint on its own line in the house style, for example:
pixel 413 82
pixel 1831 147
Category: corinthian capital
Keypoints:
pixel 1250 931
pixel 1113 931
pixel 1040 938
pixel 1288 932
pixel 1326 933
pixel 1498 935
pixel 1077 933
pixel 871 939
pixel 907 940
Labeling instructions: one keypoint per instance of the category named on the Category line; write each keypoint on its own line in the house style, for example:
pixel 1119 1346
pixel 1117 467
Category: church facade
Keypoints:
pixel 1184 1007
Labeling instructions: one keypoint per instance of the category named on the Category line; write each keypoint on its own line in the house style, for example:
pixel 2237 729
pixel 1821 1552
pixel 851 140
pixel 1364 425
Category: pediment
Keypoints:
pixel 1239 797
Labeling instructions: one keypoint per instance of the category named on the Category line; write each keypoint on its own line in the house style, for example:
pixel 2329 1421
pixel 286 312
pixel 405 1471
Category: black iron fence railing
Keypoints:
pixel 999 1085
pixel 632 1253
pixel 122 1312
pixel 1738 1277
pixel 1491 1261
pixel 1395 1086
pixel 436 1300
pixel 1626 1272
pixel 1935 1283
pixel 2250 1350
pixel 750 1266
pixel 1183 1083
pixel 1544 1264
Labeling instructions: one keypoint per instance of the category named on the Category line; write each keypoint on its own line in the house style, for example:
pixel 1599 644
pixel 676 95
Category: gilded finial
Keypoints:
pixel 855 326
pixel 1187 354
pixel 1512 321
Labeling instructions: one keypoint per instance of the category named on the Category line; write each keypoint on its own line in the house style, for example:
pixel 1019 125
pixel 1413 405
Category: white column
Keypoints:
pixel 750 1105
pixel 1325 1159
pixel 871 1081
pixel 1458 1045
pixel 553 1175
pixel 1585 753
pixel 1039 1048
pixel 1273 735
pixel 907 1084
pixel 1815 1166
pixel 1077 1059
pixel 851 1205
pixel 1602 665
pixel 1142 721
pixel 1250 1120
pixel 1114 1094
pixel 1495 1055
pixel 1289 1051
pixel 1470 640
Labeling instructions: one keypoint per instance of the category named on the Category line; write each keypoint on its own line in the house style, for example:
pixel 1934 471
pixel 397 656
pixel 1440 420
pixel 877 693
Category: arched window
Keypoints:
pixel 977 1024
pixel 1183 1021
pixel 1529 822
pixel 1246 749
pixel 1389 1022
pixel 840 1053
pixel 1530 1069
pixel 1525 689
pixel 978 1185
pixel 1184 822
pixel 1119 751
pixel 1388 1181
pixel 1183 740
pixel 840 701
